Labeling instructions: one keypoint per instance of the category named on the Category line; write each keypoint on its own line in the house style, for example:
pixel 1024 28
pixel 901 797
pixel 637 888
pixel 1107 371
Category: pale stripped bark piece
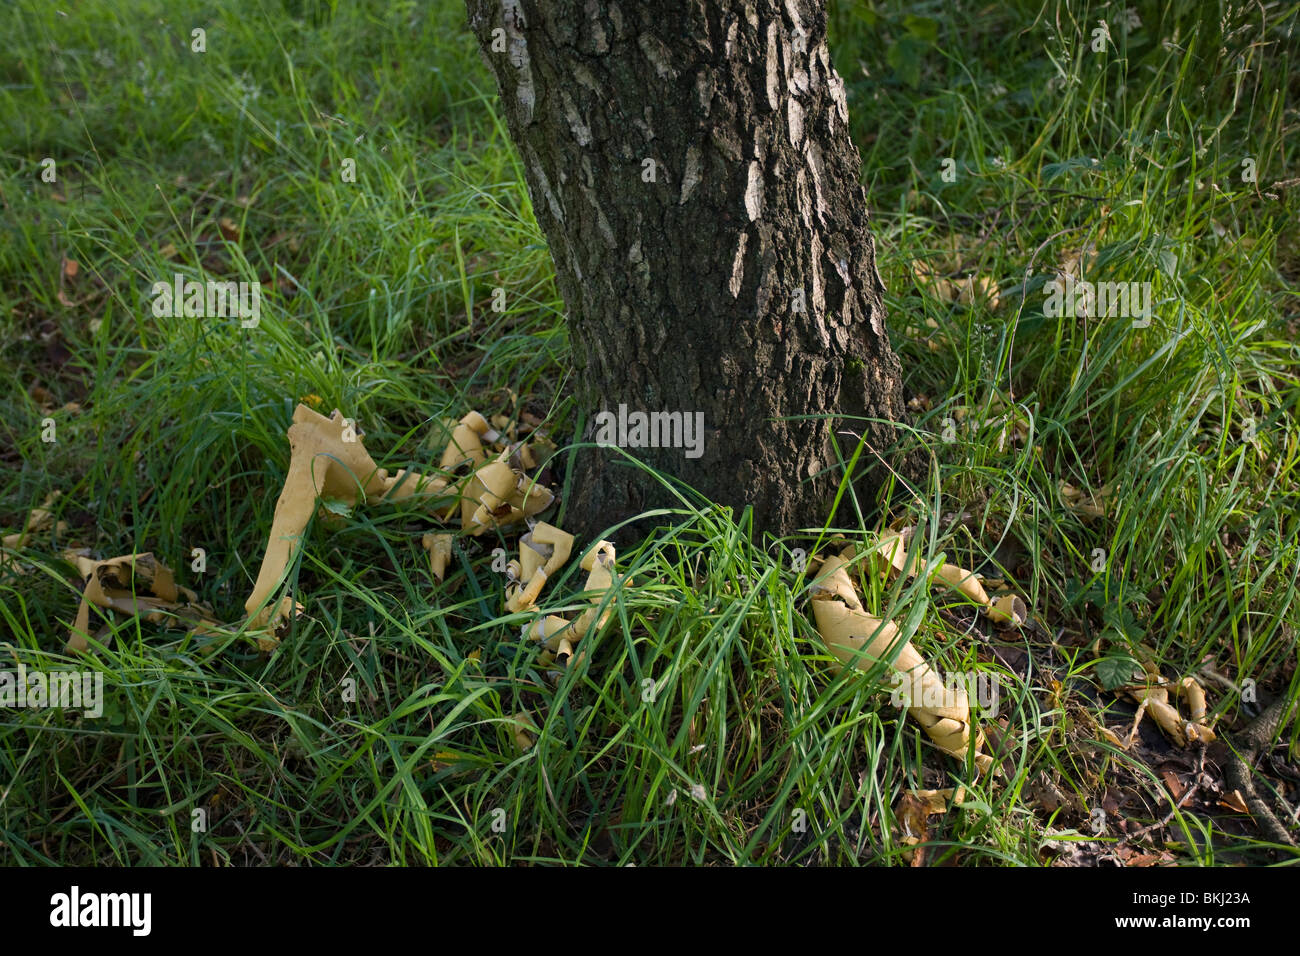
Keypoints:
pixel 496 495
pixel 439 548
pixel 133 584
pixel 520 597
pixel 1007 610
pixel 1194 694
pixel 542 552
pixel 532 558
pixel 497 492
pixel 524 731
pixel 328 460
pixel 522 457
pixel 1153 699
pixel 487 497
pixel 466 443
pixel 857 639
pixel 547 629
pixel 38 520
pixel 893 548
pixel 321 464
pixel 560 635
pixel 964 581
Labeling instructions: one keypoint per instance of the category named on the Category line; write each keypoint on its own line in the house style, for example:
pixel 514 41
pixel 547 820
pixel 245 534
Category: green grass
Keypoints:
pixel 704 724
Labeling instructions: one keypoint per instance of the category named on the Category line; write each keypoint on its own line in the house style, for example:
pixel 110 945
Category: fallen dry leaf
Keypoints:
pixel 1173 784
pixel 910 816
pixel 43 397
pixel 1235 802
pixel 1137 859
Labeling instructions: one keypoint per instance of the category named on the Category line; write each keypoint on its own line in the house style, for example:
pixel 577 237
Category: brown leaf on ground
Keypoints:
pixel 1235 802
pixel 42 396
pixel 1131 856
pixel 1175 786
pixel 38 520
pixel 1078 853
pixel 914 807
pixel 910 815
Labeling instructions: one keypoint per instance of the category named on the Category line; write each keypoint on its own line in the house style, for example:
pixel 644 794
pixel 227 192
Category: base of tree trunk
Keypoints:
pixel 608 489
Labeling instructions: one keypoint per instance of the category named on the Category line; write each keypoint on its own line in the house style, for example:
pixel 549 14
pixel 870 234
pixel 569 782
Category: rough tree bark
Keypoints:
pixel 691 166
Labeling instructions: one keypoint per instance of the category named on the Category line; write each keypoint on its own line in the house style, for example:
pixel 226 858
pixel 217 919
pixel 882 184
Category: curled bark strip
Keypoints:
pixel 857 639
pixel 1005 610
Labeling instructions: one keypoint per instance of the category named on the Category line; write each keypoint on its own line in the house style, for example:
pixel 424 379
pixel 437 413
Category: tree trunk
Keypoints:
pixel 691 166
